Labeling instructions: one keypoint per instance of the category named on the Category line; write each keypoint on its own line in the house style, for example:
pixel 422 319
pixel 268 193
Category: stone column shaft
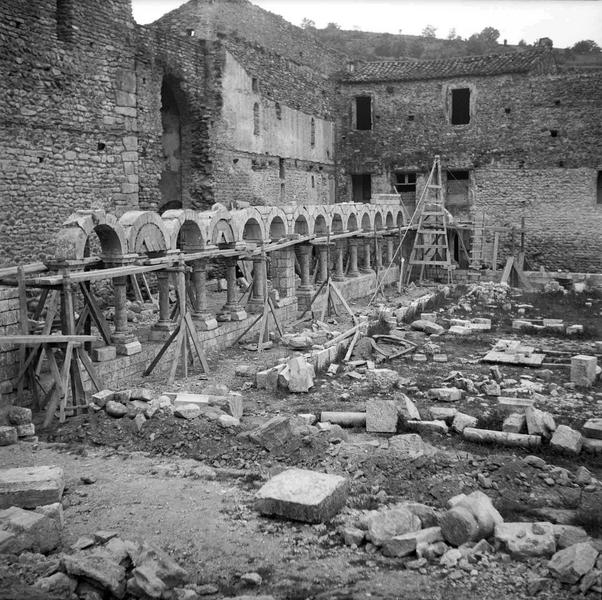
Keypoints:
pixel 366 263
pixel 339 274
pixel 390 250
pixel 322 263
pixel 353 270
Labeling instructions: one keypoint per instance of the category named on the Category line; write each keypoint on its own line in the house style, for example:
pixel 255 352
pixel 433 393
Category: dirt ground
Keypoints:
pixel 147 485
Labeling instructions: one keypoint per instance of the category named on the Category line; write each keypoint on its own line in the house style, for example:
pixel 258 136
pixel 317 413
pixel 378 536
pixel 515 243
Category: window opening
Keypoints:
pixel 190 32
pixel 363 113
pixel 278 111
pixel 458 185
pixel 313 181
pixel 255 84
pixel 599 188
pixel 362 187
pixel 64 20
pixel 313 132
pixel 281 168
pixel 405 182
pixel 460 112
pixel 256 119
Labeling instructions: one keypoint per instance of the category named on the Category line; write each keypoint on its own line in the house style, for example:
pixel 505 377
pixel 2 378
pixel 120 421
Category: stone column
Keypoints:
pixel 322 264
pixel 378 254
pixel 203 318
pixel 283 271
pixel 339 272
pixel 304 254
pixel 390 250
pixel 259 285
pixel 231 311
pixel 353 270
pixel 125 342
pixel 366 263
pixel 162 329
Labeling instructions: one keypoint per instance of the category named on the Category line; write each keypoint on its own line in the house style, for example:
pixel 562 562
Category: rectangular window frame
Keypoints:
pixel 363 108
pixel 460 106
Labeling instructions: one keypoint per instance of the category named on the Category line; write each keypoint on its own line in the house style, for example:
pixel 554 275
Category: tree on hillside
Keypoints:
pixel 489 35
pixel 452 35
pixel 586 47
pixel 429 31
pixel 333 26
pixel 544 42
pixel 483 42
pixel 308 24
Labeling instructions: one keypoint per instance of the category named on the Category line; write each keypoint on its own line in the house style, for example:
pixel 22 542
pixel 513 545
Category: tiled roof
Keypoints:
pixel 492 64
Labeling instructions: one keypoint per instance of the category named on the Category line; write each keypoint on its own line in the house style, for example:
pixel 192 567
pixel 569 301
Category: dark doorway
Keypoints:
pixel 170 183
pixel 363 112
pixel 460 113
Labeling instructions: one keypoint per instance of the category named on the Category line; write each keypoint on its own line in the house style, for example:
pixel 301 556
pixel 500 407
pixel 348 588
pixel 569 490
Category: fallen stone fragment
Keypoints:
pixel 501 437
pixel 152 562
pixel 143 394
pixel 228 421
pixel 301 375
pixel 583 370
pixel 567 440
pixel 405 544
pixel 583 476
pixel 96 566
pixel 58 584
pixel 593 429
pixel 450 558
pixel 8 436
pixel 381 416
pixel 514 423
pixel 26 430
pixel 523 540
pixel 139 421
pixel 492 388
pixel 352 536
pixel 445 394
pixel 235 404
pixel 385 524
pixel 570 564
pixel 303 495
pixel 592 446
pixel 509 405
pixel 345 419
pixel 383 380
pixel 22 530
pixel 273 434
pixel 567 535
pixel 115 409
pixel 428 516
pixel 443 413
pixel 462 421
pixel 18 415
pixel 28 487
pixel 407 409
pixel 53 511
pixel 427 326
pixel 410 446
pixel 539 422
pixel 429 426
pixel 187 411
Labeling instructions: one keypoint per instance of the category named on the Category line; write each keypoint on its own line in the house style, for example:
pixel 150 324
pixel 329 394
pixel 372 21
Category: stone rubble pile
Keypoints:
pixel 16 425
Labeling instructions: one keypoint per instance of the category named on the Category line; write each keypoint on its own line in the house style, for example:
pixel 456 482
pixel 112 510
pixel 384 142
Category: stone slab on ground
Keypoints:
pixel 273 434
pixel 301 375
pixel 445 394
pixel 381 416
pixel 462 421
pixel 410 446
pixel 427 426
pixel 29 487
pixel 515 423
pixel 8 436
pixel 383 525
pixel 523 540
pixel 403 545
pixel 443 413
pixel 303 495
pixel 509 405
pixel 570 564
pixel 592 446
pixel 99 567
pixel 22 530
pixel 593 429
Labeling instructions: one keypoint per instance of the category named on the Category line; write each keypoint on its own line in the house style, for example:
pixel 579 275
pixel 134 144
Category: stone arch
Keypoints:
pixel 389 220
pixel 302 221
pixel 321 226
pixel 145 231
pixel 249 224
pixel 400 221
pixel 186 230
pixel 71 241
pixel 352 222
pixel 366 221
pixel 277 227
pixel 378 221
pixel 337 223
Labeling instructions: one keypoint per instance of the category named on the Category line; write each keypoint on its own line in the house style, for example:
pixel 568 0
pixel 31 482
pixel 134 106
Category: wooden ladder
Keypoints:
pixel 477 242
pixel 431 246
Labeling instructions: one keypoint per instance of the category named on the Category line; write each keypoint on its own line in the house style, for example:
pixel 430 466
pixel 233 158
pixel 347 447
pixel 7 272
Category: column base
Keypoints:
pixel 129 348
pixel 366 271
pixel 161 331
pixel 232 313
pixel 255 306
pixel 353 274
pixel 338 277
pixel 204 322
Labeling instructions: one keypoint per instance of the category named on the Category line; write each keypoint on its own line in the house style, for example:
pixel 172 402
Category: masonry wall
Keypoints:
pixel 532 149
pixel 9 355
pixel 67 118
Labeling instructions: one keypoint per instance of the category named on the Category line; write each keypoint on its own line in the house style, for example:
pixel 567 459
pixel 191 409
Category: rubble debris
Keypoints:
pixel 410 446
pixel 567 440
pixel 384 525
pixel 29 487
pixel 539 422
pixel 407 543
pixel 583 370
pixel 8 436
pixel 515 423
pixel 524 540
pixel 427 327
pixel 445 394
pixel 273 434
pixel 302 495
pixel 572 563
pixel 439 427
pixel 301 375
pixel 462 420
pixel 501 437
pixel 22 530
pixel 593 429
pixel 383 381
pixel 381 416
pixel 514 353
pixel 345 419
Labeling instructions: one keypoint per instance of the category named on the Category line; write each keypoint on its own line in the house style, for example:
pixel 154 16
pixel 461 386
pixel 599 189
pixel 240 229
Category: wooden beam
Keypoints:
pixel 33 339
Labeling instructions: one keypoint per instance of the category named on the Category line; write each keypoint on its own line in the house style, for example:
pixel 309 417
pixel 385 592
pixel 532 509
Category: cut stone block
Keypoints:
pixel 501 437
pixel 407 409
pixel 29 487
pixel 410 446
pixel 27 530
pixel 462 421
pixel 102 397
pixel 583 370
pixel 509 405
pixel 26 430
pixel 567 535
pixel 345 419
pixel 301 375
pixel 570 564
pixel 405 544
pixel 18 415
pixel 427 326
pixel 273 434
pixel 443 413
pixel 459 330
pixel 187 399
pixel 567 440
pixel 445 394
pixel 187 411
pixel 99 567
pixel 429 316
pixel 143 394
pixel 592 446
pixel 522 540
pixel 593 429
pixel 303 495
pixel 129 349
pixel 384 525
pixel 8 436
pixel 116 409
pixel 104 353
pixel 515 423
pixel 381 416
pixel 53 511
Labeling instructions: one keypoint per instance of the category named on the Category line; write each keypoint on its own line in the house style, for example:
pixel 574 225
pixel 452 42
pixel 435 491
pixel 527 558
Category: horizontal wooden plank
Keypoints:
pixel 33 340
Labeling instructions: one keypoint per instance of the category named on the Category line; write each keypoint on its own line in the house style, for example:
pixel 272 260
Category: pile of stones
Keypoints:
pixel 15 425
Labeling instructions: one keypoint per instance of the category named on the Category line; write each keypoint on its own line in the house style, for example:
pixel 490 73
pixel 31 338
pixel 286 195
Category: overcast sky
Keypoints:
pixel 565 21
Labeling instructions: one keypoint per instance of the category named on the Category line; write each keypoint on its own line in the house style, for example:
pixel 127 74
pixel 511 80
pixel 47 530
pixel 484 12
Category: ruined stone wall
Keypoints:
pixel 9 355
pixel 67 117
pixel 532 147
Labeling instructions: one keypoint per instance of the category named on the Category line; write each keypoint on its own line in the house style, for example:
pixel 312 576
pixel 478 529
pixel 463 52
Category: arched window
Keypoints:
pixel 256 118
pixel 278 111
pixel 313 132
